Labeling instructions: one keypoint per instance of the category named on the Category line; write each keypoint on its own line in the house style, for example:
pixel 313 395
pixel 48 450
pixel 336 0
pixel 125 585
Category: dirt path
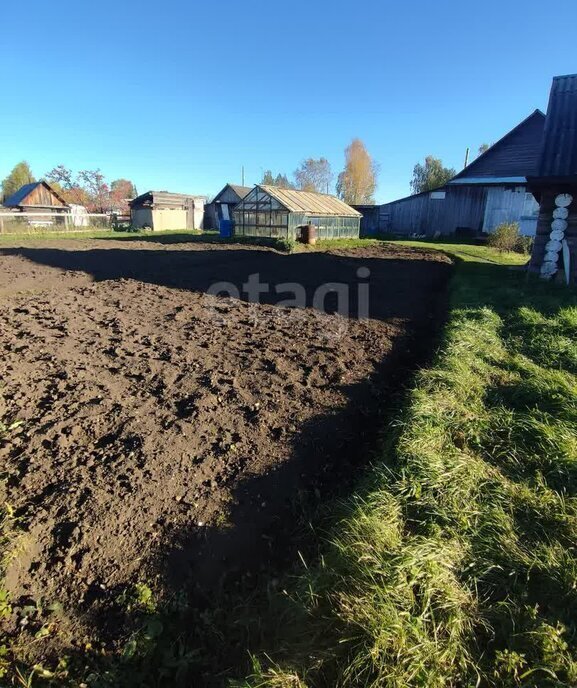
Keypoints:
pixel 163 433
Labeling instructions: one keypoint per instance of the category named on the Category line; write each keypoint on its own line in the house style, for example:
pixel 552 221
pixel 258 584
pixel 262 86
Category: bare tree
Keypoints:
pixel 97 188
pixel 314 175
pixel 357 182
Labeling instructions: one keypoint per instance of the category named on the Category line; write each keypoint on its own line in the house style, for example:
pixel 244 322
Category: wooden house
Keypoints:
pixel 36 197
pixel 222 205
pixel 554 185
pixel 268 211
pixel 162 210
pixel 491 190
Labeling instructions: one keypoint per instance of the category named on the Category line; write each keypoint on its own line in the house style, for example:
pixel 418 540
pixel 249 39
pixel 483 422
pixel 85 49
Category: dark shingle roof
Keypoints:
pixel 559 151
pixel 17 197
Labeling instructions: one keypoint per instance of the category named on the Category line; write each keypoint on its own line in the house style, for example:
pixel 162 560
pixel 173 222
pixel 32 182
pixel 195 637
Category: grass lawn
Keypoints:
pixel 10 238
pixel 454 562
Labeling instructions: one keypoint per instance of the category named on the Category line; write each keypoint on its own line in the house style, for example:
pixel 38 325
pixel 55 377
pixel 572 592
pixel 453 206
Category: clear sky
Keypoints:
pixel 179 95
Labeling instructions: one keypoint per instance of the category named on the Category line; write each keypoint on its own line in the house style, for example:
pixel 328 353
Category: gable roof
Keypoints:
pixel 308 202
pixel 240 191
pixel 558 157
pixel 513 158
pixel 18 197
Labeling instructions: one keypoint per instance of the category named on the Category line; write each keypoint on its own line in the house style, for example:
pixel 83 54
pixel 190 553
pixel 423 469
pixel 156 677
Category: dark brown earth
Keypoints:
pixel 166 435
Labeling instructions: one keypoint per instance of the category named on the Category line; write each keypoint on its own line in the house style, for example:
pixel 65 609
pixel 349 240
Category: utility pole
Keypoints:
pixel 242 176
pixel 466 157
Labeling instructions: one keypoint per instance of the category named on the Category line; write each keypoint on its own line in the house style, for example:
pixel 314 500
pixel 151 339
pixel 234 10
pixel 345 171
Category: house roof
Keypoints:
pixel 513 157
pixel 18 197
pixel 163 198
pixel 558 157
pixel 308 202
pixel 240 191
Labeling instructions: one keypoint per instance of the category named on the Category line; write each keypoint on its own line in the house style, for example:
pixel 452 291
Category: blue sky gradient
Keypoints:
pixel 179 95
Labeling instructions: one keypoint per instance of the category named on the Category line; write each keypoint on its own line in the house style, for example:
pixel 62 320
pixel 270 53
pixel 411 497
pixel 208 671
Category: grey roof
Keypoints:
pixel 17 197
pixel 240 191
pixel 163 198
pixel 559 151
pixel 309 202
pixel 515 155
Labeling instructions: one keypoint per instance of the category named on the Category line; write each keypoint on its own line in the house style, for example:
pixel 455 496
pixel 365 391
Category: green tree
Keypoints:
pixel 483 148
pixel 358 181
pixel 281 180
pixel 431 175
pixel 21 174
pixel 314 175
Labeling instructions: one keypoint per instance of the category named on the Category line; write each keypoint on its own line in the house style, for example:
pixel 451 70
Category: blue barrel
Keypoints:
pixel 225 227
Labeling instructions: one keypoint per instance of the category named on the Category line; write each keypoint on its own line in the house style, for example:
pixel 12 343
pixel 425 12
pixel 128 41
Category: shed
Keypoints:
pixel 491 190
pixel 554 185
pixel 222 205
pixel 163 210
pixel 36 197
pixel 269 211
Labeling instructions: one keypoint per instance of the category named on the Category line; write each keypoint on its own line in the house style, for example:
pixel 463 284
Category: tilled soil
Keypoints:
pixel 157 433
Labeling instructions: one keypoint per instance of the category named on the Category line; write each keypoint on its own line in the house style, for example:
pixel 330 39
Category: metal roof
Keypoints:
pixel 559 152
pixel 309 202
pixel 17 197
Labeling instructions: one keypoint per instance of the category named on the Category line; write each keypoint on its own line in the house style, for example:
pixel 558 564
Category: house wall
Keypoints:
pixel 169 218
pixel 41 196
pixel 475 208
pixel 141 217
pixel 511 204
pixel 198 213
pixel 444 211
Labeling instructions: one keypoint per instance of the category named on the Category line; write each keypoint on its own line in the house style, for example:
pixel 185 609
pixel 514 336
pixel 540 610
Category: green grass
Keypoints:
pixel 454 562
pixel 93 234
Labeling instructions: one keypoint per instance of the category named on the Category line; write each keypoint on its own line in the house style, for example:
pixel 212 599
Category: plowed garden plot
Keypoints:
pixel 156 433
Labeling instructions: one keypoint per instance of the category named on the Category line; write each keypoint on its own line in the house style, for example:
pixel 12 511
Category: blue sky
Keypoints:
pixel 179 95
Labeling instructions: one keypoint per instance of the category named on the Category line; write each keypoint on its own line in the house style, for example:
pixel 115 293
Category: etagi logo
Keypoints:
pixel 328 298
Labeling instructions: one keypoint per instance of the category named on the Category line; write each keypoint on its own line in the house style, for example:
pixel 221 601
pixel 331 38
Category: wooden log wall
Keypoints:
pixel 546 208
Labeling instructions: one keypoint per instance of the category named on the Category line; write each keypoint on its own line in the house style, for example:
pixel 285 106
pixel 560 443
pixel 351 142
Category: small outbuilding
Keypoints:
pixel 36 197
pixel 222 205
pixel 163 210
pixel 268 211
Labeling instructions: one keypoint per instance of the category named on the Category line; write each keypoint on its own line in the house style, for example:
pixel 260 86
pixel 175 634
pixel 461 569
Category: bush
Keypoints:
pixel 506 237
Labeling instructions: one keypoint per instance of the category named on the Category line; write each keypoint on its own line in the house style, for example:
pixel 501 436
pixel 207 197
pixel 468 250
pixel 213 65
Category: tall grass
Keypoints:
pixel 454 563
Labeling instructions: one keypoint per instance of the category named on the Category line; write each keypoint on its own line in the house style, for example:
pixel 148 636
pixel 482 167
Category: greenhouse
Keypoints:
pixel 268 211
